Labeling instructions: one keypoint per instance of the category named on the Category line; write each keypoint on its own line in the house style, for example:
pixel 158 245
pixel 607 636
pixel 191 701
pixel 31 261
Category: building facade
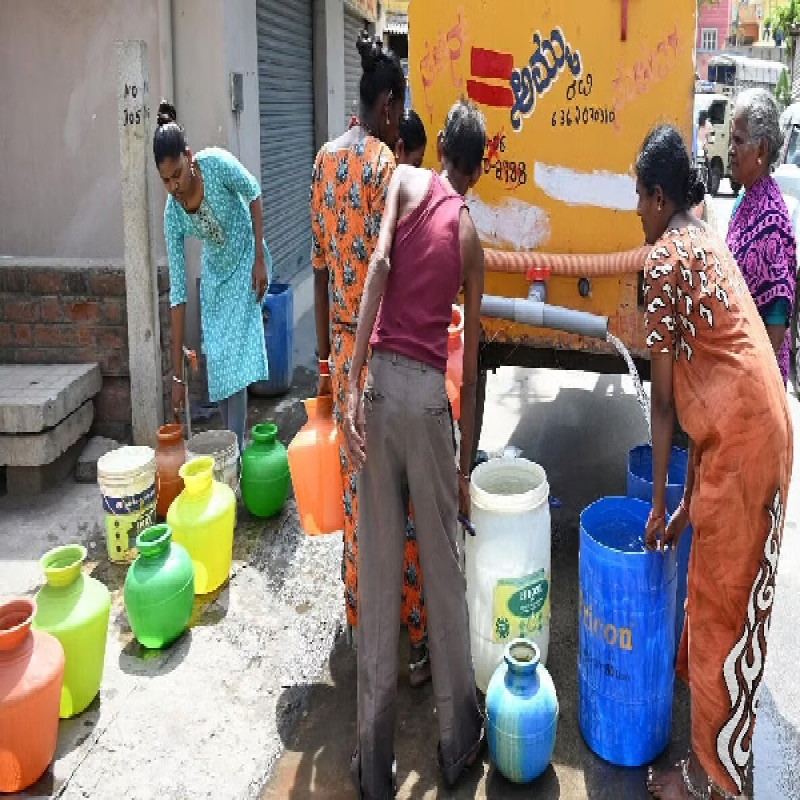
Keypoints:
pixel 713 29
pixel 269 80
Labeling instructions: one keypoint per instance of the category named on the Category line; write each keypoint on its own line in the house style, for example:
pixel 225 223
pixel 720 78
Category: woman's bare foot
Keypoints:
pixel 686 780
pixel 667 784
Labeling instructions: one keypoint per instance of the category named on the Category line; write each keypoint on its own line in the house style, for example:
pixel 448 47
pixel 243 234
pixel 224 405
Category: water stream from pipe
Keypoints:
pixel 641 395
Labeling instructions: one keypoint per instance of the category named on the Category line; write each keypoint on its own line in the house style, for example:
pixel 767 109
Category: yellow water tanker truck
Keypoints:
pixel 569 89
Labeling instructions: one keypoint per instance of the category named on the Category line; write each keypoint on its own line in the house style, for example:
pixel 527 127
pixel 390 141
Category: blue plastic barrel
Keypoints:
pixel 626 623
pixel 640 484
pixel 277 309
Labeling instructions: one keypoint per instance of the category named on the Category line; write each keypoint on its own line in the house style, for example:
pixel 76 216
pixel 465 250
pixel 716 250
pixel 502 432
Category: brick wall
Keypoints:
pixel 74 313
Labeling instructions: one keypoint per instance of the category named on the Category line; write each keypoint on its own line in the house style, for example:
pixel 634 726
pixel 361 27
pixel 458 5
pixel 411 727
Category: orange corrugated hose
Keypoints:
pixel 584 265
pixel 539 266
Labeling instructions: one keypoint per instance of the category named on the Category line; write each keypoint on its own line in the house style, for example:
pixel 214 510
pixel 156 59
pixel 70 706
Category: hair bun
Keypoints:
pixel 166 113
pixel 696 190
pixel 370 51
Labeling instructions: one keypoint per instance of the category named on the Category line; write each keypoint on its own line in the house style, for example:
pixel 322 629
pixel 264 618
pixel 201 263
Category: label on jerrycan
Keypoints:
pixel 521 606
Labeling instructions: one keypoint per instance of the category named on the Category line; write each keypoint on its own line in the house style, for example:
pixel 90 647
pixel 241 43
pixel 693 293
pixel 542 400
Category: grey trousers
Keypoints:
pixel 410 455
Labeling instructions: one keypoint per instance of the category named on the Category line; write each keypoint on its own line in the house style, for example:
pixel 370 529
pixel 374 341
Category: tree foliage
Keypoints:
pixel 783 93
pixel 785 16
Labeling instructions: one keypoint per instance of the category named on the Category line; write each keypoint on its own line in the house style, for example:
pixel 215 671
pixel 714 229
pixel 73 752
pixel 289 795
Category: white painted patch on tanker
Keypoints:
pixel 600 189
pixel 510 224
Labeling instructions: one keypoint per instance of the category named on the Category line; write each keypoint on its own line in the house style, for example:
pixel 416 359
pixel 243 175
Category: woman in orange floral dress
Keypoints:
pixel 348 192
pixel 713 363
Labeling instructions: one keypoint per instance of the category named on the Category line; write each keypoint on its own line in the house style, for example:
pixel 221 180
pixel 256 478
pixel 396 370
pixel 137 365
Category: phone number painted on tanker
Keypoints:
pixel 583 115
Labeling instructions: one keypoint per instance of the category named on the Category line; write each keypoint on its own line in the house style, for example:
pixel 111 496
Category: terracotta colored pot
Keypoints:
pixel 31 672
pixel 170 457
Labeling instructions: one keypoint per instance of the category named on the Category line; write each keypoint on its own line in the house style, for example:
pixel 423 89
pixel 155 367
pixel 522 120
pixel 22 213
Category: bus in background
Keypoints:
pixel 731 73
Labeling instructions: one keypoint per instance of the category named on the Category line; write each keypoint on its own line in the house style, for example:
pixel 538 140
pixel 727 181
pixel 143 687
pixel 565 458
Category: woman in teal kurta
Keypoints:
pixel 215 199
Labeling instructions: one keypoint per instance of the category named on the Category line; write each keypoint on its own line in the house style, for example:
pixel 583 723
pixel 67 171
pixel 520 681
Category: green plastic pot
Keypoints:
pixel 265 472
pixel 74 608
pixel 159 588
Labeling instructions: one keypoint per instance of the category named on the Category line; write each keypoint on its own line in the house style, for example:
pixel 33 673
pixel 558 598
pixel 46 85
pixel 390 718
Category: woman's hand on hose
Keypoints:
pixel 678 523
pixel 354 433
pixel 178 399
pixel 655 529
pixel 259 282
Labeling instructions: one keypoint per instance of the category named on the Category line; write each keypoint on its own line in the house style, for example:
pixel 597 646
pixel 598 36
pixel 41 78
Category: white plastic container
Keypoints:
pixel 127 479
pixel 223 447
pixel 507 562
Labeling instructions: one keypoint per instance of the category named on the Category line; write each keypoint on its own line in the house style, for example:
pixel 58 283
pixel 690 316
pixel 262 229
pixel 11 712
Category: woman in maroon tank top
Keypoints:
pixel 401 439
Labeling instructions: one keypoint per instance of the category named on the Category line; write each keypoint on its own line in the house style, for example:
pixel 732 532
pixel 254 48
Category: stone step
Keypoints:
pixel 38 449
pixel 37 397
pixel 96 448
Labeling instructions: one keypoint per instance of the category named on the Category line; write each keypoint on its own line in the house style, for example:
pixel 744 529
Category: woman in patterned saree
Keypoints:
pixel 348 193
pixel 760 234
pixel 713 363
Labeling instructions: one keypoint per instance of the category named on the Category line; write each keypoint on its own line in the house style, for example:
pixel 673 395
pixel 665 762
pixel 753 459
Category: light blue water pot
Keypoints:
pixel 522 713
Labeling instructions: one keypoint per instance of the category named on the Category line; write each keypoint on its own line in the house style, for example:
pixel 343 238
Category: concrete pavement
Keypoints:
pixel 210 716
pixel 579 426
pixel 258 699
pixel 204 718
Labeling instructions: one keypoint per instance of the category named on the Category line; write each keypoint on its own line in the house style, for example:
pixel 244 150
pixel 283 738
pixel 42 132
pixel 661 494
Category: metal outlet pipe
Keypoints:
pixel 542 315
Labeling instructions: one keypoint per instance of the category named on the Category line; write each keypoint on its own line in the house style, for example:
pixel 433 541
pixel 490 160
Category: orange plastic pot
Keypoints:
pixel 314 467
pixel 454 377
pixel 170 457
pixel 31 672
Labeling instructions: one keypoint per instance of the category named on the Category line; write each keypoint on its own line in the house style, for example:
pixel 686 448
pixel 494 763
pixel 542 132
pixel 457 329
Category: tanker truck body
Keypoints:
pixel 569 90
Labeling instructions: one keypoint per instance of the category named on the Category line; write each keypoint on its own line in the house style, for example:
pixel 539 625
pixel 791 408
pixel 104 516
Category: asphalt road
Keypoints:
pixel 723 206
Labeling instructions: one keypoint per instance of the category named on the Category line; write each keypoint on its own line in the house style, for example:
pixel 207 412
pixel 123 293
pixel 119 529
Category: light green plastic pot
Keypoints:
pixel 74 608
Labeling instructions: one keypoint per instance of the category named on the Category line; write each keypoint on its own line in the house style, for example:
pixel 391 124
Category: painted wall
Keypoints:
pixel 329 117
pixel 241 55
pixel 364 8
pixel 211 39
pixel 61 189
pixel 715 15
pixel 60 172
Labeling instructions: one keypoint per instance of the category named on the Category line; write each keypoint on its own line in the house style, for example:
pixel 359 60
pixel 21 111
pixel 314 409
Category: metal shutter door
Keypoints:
pixel 286 96
pixel 353 25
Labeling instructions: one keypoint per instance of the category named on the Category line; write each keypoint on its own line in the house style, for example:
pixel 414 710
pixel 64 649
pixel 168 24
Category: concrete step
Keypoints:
pixel 38 449
pixel 35 398
pixel 96 448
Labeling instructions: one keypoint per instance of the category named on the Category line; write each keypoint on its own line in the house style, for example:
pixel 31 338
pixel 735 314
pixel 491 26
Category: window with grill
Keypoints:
pixel 708 39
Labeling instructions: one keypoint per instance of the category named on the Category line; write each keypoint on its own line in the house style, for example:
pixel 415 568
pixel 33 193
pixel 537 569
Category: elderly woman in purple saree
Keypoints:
pixel 760 234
